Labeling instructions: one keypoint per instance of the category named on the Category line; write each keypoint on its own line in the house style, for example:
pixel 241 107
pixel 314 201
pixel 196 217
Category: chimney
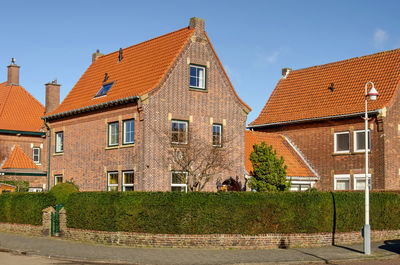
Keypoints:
pixel 285 72
pixel 13 73
pixel 52 96
pixel 197 24
pixel 96 55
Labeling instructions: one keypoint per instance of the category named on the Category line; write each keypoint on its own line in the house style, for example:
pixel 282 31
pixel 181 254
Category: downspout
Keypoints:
pixel 48 150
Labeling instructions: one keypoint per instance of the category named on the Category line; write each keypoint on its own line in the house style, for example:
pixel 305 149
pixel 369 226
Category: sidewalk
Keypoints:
pixel 63 249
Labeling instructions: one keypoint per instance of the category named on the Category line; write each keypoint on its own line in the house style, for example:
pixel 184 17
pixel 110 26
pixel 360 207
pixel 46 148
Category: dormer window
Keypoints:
pixel 104 89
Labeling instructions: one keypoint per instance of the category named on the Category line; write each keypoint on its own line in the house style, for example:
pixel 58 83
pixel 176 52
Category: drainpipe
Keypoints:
pixel 48 150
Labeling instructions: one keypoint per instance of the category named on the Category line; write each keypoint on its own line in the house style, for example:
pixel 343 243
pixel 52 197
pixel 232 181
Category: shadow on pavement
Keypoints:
pixel 312 255
pixel 391 245
pixel 350 249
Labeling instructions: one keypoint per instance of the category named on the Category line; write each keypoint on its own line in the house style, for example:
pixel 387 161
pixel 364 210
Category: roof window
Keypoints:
pixel 104 90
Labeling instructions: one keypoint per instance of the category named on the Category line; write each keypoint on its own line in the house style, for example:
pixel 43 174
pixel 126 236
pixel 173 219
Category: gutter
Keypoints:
pixel 49 156
pixel 378 111
pixel 10 173
pixel 22 132
pixel 90 108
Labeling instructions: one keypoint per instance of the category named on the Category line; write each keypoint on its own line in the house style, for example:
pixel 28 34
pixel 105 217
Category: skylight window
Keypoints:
pixel 104 90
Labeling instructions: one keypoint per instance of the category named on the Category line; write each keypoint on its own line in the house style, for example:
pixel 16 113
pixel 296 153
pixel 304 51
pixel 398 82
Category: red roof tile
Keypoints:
pixel 304 94
pixel 296 167
pixel 18 159
pixel 19 110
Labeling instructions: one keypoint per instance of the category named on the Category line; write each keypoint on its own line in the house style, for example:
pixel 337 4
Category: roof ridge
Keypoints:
pixel 346 60
pixel 146 41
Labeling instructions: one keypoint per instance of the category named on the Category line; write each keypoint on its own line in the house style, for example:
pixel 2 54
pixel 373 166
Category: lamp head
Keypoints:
pixel 373 94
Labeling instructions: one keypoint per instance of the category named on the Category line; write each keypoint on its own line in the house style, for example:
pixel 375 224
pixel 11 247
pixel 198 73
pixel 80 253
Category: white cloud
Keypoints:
pixel 380 38
pixel 273 57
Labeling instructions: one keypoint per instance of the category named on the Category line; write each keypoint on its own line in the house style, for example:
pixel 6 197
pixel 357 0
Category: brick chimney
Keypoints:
pixel 96 55
pixel 285 72
pixel 197 24
pixel 13 73
pixel 52 96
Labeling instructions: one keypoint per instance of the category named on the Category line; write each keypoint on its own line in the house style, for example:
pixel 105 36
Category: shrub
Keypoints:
pixel 230 213
pixel 20 185
pixel 62 191
pixel 24 208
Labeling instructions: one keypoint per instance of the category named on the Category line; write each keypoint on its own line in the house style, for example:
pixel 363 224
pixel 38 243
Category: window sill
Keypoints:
pixel 119 146
pixel 204 90
pixel 58 154
pixel 351 153
pixel 340 154
pixel 361 152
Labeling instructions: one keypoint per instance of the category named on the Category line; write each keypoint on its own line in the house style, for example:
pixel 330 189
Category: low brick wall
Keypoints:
pixel 266 241
pixel 31 230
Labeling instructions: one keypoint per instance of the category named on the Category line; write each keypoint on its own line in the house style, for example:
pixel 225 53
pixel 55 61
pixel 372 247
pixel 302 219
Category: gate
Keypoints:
pixel 55 220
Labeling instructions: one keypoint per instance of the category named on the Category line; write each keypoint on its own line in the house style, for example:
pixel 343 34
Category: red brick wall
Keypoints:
pixel 86 158
pixel 316 141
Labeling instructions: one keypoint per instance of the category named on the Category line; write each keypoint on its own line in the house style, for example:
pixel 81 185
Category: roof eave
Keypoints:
pixel 91 108
pixel 378 111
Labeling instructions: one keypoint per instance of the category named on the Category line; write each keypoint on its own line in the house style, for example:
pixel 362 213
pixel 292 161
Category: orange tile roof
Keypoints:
pixel 304 94
pixel 141 70
pixel 19 110
pixel 296 167
pixel 18 159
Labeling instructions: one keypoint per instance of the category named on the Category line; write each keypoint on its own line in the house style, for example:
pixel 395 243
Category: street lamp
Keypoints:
pixel 372 94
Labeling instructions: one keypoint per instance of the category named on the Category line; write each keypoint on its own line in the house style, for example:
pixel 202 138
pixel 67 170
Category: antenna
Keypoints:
pixel 120 55
pixel 105 77
pixel 12 61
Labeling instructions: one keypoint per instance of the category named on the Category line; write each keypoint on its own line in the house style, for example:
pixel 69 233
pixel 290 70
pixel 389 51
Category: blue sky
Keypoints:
pixel 254 39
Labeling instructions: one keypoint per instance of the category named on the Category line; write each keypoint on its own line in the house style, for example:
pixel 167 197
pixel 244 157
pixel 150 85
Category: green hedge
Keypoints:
pixel 24 208
pixel 243 213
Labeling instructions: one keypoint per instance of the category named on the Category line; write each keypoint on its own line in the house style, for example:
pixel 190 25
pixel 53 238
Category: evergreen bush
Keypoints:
pixel 62 191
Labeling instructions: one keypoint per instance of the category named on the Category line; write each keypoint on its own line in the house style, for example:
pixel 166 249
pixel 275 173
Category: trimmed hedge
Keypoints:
pixel 230 213
pixel 24 208
pixel 62 191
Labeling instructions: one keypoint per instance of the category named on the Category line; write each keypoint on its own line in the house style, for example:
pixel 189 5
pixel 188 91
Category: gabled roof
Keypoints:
pixel 296 166
pixel 304 94
pixel 19 110
pixel 141 70
pixel 18 159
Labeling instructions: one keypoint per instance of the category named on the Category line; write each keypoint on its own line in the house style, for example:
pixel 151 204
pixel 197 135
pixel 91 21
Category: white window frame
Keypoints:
pixel 123 180
pixel 58 176
pixel 341 177
pixel 124 141
pixel 59 142
pixel 357 177
pixel 36 161
pixel 355 141
pixel 186 131
pixel 35 189
pixel 202 80
pixel 179 185
pixel 220 135
pixel 110 126
pixel 108 180
pixel 302 183
pixel 335 143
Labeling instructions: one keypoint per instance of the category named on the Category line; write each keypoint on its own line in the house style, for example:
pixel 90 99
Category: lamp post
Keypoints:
pixel 372 94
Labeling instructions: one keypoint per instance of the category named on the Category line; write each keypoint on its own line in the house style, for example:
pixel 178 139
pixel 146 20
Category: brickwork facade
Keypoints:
pixel 87 159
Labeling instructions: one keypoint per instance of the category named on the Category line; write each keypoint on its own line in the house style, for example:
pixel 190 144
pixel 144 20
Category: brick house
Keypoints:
pixel 319 109
pixel 21 133
pixel 299 171
pixel 106 134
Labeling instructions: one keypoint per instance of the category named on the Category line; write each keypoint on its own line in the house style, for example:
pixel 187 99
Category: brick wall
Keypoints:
pixel 86 158
pixel 316 141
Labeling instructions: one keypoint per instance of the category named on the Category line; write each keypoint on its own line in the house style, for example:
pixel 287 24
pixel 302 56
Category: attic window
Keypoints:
pixel 104 90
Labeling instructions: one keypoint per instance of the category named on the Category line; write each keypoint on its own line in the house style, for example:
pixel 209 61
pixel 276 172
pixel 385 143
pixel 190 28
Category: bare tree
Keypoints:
pixel 199 159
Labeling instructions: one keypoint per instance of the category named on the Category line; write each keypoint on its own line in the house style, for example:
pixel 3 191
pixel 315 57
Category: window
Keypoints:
pixel 359 141
pixel 129 132
pixel 197 76
pixel 104 89
pixel 59 142
pixel 359 181
pixel 113 133
pixel 300 187
pixel 217 135
pixel 128 179
pixel 36 155
pixel 58 179
pixel 179 132
pixel 342 182
pixel 178 181
pixel 112 184
pixel 342 142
